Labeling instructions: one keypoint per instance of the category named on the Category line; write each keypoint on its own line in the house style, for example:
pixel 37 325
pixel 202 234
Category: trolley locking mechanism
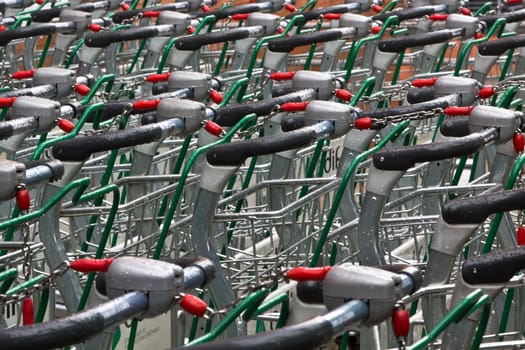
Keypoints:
pixel 380 289
pixel 161 281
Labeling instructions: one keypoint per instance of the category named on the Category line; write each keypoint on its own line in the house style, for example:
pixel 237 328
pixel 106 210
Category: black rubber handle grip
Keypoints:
pixel 148 118
pixel 229 115
pixel 159 88
pixel 404 15
pixel 495 267
pixel 48 15
pixel 119 17
pixel 290 43
pixel 235 153
pixel 403 158
pixel 310 334
pixel 292 122
pixel 195 42
pixel 26 32
pixel 455 127
pixel 6 131
pixel 418 95
pixel 402 43
pixel 474 210
pixel 310 292
pixel 109 110
pixel 315 14
pixel 498 47
pixel 382 113
pixel 230 11
pixel 80 148
pixel 281 89
pixel 104 39
pixel 510 17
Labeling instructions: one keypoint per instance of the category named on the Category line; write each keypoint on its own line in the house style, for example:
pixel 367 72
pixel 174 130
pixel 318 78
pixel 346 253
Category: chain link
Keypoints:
pixel 394 91
pixel 46 282
pixel 261 122
pixel 26 250
pixel 267 281
pixel 408 116
pixel 115 121
pixel 132 19
pixel 505 84
pixel 126 88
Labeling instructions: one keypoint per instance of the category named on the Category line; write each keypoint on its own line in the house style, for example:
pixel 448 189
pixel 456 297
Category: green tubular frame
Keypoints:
pixel 242 124
pixel 483 9
pixel 295 21
pixel 249 303
pixel 469 304
pixel 499 25
pixel 397 131
pixel 354 51
pixel 206 21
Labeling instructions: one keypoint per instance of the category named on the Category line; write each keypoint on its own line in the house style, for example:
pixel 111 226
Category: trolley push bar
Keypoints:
pixel 456 27
pixel 47 15
pixel 350 26
pixel 256 6
pixel 192 6
pixel 192 115
pixel 491 272
pixel 287 44
pixel 461 217
pixel 195 42
pixel 486 124
pixel 389 165
pixel 510 17
pixel 179 6
pixel 173 23
pixel 411 13
pixel 73 22
pixel 14 4
pixel 356 296
pixel 357 6
pixel 137 287
pixel 170 24
pixel 318 126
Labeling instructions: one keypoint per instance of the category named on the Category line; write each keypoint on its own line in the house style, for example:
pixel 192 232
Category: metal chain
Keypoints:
pixel 261 122
pixel 505 84
pixel 133 19
pixel 4 67
pixel 267 281
pixel 408 116
pixel 25 231
pixel 46 282
pixel 398 91
pixel 107 127
pixel 125 89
